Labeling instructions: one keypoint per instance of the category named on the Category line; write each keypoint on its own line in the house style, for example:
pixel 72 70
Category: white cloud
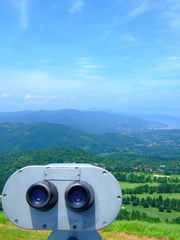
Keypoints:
pixel 122 100
pixel 22 7
pixel 84 60
pixel 168 65
pixel 129 38
pixel 139 10
pixel 5 95
pixel 85 74
pixel 52 97
pixel 30 96
pixel 20 63
pixel 40 83
pixel 77 6
pixel 45 60
pixel 93 66
pixel 91 77
pixel 133 10
pixel 174 58
pixel 172 14
pixel 87 69
pixel 72 98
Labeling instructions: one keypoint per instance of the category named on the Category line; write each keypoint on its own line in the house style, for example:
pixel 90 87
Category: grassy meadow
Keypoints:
pixel 156 230
pixel 118 230
pixel 125 185
pixel 154 212
pixel 155 195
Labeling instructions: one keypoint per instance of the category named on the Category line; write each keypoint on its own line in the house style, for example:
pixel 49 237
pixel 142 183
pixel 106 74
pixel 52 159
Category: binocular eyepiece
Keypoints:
pixel 43 196
pixel 79 197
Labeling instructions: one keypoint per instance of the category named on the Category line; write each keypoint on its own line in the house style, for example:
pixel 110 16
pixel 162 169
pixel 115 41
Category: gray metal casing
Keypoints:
pixel 64 235
pixel 107 204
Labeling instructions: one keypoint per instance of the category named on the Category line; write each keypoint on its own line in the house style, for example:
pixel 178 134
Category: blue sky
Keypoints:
pixel 105 54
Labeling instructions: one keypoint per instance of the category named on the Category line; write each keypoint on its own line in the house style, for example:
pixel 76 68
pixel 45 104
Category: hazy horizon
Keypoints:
pixel 84 54
pixel 174 112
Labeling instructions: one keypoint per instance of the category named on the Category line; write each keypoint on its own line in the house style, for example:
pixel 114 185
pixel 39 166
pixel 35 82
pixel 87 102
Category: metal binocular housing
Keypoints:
pixel 70 199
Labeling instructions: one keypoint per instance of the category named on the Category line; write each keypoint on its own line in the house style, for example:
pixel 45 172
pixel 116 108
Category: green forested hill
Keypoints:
pixel 116 151
pixel 25 137
pixel 9 163
pixel 114 162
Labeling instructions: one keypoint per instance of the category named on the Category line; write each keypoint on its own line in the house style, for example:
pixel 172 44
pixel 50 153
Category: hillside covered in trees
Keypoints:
pixel 25 137
pixel 122 162
pixel 146 163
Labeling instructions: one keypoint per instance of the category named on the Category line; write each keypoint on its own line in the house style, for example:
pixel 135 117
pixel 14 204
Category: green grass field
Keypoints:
pixel 118 230
pixel 158 230
pixel 0 202
pixel 125 185
pixel 156 195
pixel 154 212
pixel 151 212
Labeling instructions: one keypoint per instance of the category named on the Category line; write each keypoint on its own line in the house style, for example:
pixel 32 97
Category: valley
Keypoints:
pixel 145 162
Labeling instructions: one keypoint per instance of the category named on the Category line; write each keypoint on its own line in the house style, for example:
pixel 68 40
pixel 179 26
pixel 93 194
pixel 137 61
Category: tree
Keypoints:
pixel 153 203
pixel 161 209
pixel 176 220
pixel 145 204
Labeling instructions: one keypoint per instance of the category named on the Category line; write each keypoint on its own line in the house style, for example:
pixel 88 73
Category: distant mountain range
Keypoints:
pixel 94 121
pixel 171 121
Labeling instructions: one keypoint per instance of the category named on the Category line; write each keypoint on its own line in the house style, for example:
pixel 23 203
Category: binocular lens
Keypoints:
pixel 79 197
pixel 42 195
pixel 39 196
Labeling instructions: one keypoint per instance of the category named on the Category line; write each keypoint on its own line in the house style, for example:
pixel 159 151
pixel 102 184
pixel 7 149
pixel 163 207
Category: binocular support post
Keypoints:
pixel 74 235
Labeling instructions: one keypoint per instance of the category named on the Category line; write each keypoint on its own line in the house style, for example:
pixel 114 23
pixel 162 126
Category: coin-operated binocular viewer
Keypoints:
pixel 73 200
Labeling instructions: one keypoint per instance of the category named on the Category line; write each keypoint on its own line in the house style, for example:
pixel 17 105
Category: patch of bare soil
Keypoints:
pixel 114 235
